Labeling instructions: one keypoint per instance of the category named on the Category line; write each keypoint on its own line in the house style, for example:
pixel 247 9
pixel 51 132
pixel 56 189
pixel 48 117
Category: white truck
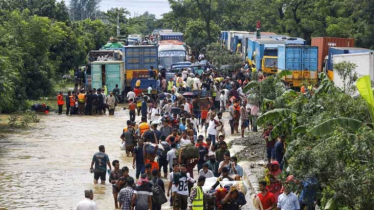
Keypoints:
pixel 364 62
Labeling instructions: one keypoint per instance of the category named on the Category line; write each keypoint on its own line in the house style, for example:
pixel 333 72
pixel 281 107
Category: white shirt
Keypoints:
pixel 86 204
pixel 208 174
pixel 149 90
pixel 182 187
pixel 171 180
pixel 226 94
pixel 211 128
pixel 131 95
pixel 184 74
pixel 231 112
pixel 167 108
pixel 288 202
pixel 196 84
pixel 187 107
pixel 170 156
pixel 195 123
pixel 155 111
pixel 184 142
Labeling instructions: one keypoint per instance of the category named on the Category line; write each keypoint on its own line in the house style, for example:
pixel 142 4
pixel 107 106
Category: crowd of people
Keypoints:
pixel 188 112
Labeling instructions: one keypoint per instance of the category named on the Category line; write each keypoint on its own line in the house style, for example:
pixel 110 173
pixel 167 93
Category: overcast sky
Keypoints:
pixel 157 7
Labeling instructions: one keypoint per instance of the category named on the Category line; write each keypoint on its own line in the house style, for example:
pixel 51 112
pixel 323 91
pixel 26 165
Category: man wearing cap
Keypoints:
pixel 142 197
pixel 213 164
pixel 196 200
pixel 126 194
pixel 87 202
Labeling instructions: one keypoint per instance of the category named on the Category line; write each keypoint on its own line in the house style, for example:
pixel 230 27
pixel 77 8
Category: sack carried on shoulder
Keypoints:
pixel 159 196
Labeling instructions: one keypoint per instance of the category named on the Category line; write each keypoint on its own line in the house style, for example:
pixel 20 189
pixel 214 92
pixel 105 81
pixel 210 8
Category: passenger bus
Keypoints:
pixel 171 52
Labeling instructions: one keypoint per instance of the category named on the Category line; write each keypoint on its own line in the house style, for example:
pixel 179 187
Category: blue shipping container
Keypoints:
pixel 141 57
pixel 297 58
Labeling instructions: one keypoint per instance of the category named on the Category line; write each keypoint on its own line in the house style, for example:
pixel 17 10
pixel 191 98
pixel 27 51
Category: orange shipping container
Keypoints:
pixel 324 43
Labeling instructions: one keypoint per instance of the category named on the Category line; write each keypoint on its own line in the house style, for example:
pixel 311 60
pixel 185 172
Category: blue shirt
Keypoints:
pixel 309 192
pixel 239 170
pixel 288 202
pixel 138 151
pixel 182 127
pixel 144 108
pixel 279 151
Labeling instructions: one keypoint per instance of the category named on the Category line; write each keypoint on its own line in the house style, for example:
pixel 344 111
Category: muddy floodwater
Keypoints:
pixel 47 167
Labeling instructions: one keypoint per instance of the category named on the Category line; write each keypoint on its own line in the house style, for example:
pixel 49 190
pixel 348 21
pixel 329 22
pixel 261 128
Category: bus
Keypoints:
pixel 169 54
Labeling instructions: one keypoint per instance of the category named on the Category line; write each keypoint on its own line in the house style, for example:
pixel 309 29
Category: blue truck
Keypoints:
pixel 302 61
pixel 138 60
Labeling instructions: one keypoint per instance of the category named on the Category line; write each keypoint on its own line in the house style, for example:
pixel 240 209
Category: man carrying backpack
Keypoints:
pixel 162 160
pixel 158 189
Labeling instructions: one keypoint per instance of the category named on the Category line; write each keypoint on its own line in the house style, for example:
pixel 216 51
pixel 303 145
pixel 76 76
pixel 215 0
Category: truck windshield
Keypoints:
pixel 271 62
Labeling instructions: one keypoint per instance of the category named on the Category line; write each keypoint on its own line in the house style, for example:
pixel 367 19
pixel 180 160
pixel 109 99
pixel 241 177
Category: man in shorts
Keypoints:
pixel 101 160
pixel 181 182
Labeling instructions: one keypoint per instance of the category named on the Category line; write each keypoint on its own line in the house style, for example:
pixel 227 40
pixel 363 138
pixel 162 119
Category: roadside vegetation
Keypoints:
pixel 329 136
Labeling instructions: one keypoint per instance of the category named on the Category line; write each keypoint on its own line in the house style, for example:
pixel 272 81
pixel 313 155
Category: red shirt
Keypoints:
pixel 268 200
pixel 137 91
pixel 204 144
pixel 269 142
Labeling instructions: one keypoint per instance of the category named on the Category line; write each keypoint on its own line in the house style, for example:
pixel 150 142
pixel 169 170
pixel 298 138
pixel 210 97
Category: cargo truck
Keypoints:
pixel 108 73
pixel 138 61
pixel 262 54
pixel 329 63
pixel 324 44
pixel 302 61
pixel 364 65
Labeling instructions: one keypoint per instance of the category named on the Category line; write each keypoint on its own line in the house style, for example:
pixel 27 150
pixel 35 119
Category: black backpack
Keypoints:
pixel 159 196
pixel 164 153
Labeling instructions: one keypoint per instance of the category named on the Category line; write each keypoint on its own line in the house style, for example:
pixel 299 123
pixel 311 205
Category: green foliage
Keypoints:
pixel 340 151
pixel 221 56
pixel 346 70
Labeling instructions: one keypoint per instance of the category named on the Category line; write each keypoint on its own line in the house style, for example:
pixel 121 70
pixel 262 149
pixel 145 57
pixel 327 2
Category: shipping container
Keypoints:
pixel 109 73
pixel 324 43
pixel 329 63
pixel 302 61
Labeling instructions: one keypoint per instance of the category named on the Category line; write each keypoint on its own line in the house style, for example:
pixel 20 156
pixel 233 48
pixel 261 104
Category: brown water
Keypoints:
pixel 48 167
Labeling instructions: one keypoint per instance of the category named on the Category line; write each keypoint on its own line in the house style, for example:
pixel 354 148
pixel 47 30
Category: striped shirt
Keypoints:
pixel 142 193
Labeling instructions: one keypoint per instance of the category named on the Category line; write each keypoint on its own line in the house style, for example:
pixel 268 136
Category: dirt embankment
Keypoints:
pixel 254 151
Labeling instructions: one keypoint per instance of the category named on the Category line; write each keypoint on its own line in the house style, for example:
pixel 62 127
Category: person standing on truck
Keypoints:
pixel 60 102
pixel 151 73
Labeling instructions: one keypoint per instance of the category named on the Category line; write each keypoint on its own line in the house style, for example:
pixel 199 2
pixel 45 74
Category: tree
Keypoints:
pixel 84 9
pixel 346 70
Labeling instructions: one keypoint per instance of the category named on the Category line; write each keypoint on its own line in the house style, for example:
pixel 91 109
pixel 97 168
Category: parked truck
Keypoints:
pixel 324 44
pixel 263 54
pixel 329 63
pixel 364 65
pixel 138 60
pixel 108 73
pixel 302 61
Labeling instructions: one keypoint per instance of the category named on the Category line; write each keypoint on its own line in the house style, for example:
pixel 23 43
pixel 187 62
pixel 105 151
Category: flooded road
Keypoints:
pixel 47 167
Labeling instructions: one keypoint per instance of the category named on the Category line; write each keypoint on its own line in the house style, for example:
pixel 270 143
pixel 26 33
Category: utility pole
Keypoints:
pixel 118 32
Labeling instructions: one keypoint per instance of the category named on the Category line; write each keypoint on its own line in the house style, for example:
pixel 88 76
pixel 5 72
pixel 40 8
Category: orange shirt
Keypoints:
pixel 153 164
pixel 204 114
pixel 132 106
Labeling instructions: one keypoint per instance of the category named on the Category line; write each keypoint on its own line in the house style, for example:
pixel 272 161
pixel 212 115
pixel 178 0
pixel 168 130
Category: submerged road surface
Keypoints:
pixel 48 167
